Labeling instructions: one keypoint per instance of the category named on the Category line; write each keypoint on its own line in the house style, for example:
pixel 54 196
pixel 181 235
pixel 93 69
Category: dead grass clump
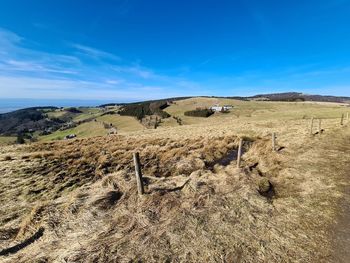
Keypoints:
pixel 159 157
pixel 261 152
pixel 76 202
pixel 32 221
pixel 248 139
pixel 187 166
pixel 47 154
pixel 264 185
pixel 107 200
pixel 109 181
pixel 8 233
pixel 37 155
pixel 103 161
pixel 8 158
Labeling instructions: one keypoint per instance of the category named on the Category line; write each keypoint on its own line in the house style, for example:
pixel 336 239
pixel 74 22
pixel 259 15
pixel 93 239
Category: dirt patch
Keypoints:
pixel 341 232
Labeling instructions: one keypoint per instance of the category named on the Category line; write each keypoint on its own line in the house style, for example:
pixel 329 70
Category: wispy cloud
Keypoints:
pixel 83 72
pixel 94 52
pixel 15 57
pixel 30 87
pixel 32 66
pixel 114 81
pixel 8 38
pixel 138 71
pixel 90 73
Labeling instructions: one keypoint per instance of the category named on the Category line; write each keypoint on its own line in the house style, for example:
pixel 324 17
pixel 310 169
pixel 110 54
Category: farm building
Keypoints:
pixel 218 108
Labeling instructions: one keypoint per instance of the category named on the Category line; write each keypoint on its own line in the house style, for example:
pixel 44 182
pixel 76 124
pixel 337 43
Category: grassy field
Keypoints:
pixel 88 113
pixel 198 207
pixel 85 130
pixel 6 140
pixel 243 111
pixel 122 123
pixel 258 110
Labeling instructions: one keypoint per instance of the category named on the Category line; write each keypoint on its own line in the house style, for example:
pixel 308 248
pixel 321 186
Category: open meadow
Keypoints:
pixel 77 200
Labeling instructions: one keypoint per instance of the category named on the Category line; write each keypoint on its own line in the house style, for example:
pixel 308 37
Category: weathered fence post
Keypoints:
pixel 347 117
pixel 239 153
pixel 319 126
pixel 311 125
pixel 138 173
pixel 342 119
pixel 273 141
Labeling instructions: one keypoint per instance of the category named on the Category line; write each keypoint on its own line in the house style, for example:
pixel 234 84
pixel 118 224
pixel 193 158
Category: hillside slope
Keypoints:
pixel 76 201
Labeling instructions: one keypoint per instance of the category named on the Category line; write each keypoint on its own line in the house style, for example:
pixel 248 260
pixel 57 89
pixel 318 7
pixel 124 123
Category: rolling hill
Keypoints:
pixel 76 200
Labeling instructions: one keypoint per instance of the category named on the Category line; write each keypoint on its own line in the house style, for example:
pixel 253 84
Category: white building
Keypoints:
pixel 218 108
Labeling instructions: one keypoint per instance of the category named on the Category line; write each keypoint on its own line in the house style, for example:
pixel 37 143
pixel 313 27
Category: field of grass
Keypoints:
pixel 82 193
pixel 6 140
pixel 85 130
pixel 88 113
pixel 56 113
pixel 122 123
pixel 258 110
pixel 243 111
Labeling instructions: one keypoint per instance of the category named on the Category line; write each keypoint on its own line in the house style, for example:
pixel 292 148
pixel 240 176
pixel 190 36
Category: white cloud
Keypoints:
pixel 114 81
pixel 31 73
pixel 32 66
pixel 41 88
pixel 95 53
pixel 138 71
pixel 17 58
pixel 8 39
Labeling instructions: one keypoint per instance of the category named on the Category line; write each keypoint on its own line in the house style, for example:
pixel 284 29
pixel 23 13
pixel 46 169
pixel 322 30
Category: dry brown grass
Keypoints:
pixel 7 158
pixel 277 208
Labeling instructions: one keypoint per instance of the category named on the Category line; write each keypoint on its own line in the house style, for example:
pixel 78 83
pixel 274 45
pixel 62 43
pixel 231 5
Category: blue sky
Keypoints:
pixel 126 50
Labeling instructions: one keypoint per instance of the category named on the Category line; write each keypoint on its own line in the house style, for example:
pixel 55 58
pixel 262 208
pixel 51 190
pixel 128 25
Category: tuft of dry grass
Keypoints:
pixel 8 158
pixel 32 221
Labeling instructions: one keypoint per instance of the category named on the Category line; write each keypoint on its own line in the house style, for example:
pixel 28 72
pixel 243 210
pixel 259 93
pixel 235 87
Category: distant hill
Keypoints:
pixel 297 96
pixel 25 120
pixel 143 102
pixel 36 119
pixel 286 96
pixel 49 119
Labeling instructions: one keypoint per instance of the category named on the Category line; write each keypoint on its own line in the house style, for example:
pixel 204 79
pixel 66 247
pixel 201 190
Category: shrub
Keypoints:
pixel 137 110
pixel 199 113
pixel 73 110
pixel 107 125
pixel 140 110
pixel 20 139
pixel 109 113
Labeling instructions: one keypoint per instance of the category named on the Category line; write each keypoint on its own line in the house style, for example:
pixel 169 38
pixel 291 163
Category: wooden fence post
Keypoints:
pixel 342 119
pixel 138 174
pixel 311 125
pixel 273 141
pixel 319 126
pixel 347 117
pixel 239 153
